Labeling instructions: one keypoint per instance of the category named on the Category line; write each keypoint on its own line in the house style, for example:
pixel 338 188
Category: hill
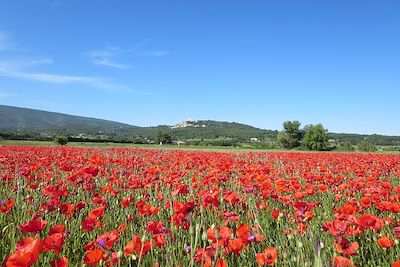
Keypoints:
pixel 23 123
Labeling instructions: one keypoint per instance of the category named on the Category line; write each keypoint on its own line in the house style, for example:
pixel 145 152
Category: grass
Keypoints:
pixel 386 149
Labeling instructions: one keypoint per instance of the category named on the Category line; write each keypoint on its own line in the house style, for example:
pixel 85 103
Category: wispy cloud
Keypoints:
pixel 106 57
pixel 160 53
pixel 59 79
pixel 20 63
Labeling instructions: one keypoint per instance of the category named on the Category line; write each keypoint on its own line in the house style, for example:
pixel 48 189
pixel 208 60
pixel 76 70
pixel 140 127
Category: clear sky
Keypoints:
pixel 163 61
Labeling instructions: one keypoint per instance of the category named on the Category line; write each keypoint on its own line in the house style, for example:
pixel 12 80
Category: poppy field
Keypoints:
pixel 70 206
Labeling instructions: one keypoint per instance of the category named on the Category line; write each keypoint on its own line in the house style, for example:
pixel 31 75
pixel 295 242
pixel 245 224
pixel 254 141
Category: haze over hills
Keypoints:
pixel 37 124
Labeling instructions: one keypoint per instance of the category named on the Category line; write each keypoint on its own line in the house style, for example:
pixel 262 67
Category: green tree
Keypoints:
pixel 291 135
pixel 315 137
pixel 61 140
pixel 366 146
pixel 346 146
pixel 163 138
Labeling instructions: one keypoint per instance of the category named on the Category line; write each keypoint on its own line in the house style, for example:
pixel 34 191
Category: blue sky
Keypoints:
pixel 161 62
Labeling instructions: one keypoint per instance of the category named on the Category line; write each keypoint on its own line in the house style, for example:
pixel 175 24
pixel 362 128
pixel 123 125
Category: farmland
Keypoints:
pixel 143 207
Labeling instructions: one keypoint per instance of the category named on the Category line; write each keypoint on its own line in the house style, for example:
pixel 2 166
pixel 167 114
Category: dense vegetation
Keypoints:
pixel 28 124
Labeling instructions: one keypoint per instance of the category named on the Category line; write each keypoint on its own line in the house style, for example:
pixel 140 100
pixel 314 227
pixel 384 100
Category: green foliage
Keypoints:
pixel 163 138
pixel 346 146
pixel 291 135
pixel 61 140
pixel 315 137
pixel 366 147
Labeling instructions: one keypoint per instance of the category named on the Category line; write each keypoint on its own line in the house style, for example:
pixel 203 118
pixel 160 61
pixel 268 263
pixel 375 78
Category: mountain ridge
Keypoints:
pixel 43 124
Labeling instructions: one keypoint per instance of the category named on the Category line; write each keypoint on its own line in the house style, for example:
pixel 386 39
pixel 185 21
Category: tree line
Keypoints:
pixel 315 137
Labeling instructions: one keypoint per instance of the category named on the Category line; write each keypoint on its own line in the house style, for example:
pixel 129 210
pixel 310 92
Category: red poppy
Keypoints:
pixel 33 226
pixel 160 240
pixel 235 245
pixel 221 263
pixel 385 242
pixel 244 232
pixel 53 242
pixel 369 221
pixel 89 224
pixel 275 214
pixel 137 246
pixel 97 212
pixel 7 206
pixel 67 209
pixel 365 202
pixel 26 254
pixel 396 264
pixel 267 257
pixel 126 201
pixel 59 228
pixel 92 257
pixel 340 261
pixel 342 245
pixel 60 262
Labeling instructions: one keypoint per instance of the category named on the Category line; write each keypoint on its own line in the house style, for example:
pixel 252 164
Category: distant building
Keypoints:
pixel 179 142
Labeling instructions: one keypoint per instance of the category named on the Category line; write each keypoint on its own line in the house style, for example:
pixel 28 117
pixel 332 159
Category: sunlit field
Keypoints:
pixel 70 206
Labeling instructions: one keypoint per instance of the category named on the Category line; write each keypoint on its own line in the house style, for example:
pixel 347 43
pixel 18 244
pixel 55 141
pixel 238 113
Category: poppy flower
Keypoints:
pixel 340 261
pixel 224 232
pixel 97 212
pixel 92 257
pixel 67 209
pixel 6 206
pixel 160 240
pixel 60 262
pixel 365 202
pixel 53 242
pixel 137 246
pixel 126 201
pixel 90 223
pixel 385 242
pixel 396 264
pixel 275 214
pixel 244 232
pixel 235 245
pixel 59 228
pixel 26 254
pixel 342 245
pixel 221 263
pixel 267 257
pixel 369 221
pixel 33 226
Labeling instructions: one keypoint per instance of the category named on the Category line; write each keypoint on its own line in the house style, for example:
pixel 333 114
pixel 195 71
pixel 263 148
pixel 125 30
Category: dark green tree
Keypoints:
pixel 366 146
pixel 163 138
pixel 61 140
pixel 291 135
pixel 315 137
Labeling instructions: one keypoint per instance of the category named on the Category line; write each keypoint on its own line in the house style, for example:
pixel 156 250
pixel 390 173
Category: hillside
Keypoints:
pixel 38 121
pixel 23 123
pixel 208 129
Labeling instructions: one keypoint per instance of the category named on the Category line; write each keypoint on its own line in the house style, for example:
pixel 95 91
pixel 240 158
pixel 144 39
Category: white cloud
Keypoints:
pixel 155 53
pixel 104 57
pixel 20 63
pixel 58 79
pixel 108 63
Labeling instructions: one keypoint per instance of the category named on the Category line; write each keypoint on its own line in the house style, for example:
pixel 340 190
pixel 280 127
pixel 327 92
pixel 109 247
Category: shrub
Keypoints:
pixel 61 140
